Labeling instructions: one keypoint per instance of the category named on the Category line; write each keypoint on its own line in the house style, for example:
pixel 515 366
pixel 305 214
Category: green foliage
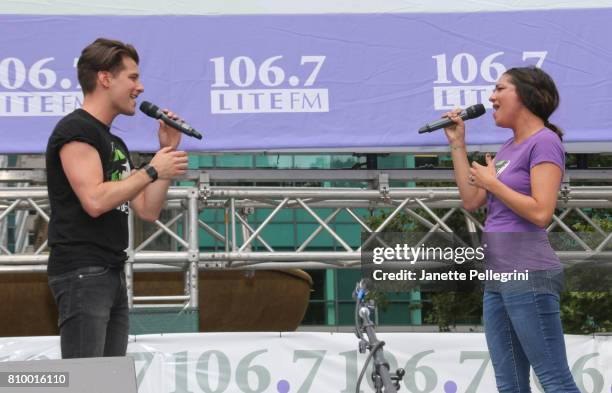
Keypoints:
pixel 379 298
pixel 400 223
pixel 604 222
pixel 588 312
pixel 451 308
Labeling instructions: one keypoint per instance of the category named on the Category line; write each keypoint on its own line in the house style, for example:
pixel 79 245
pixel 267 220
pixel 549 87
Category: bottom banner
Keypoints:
pixel 302 362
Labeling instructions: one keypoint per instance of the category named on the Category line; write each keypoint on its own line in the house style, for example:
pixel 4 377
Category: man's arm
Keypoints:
pixel 148 204
pixel 83 168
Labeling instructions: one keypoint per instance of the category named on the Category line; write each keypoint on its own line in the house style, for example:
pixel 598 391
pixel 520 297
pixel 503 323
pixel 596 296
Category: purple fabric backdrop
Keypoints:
pixel 309 81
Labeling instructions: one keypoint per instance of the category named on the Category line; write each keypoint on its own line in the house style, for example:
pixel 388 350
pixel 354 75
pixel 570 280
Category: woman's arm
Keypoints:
pixel 472 197
pixel 538 207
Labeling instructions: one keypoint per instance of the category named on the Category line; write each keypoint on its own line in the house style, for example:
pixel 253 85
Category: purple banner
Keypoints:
pixel 271 82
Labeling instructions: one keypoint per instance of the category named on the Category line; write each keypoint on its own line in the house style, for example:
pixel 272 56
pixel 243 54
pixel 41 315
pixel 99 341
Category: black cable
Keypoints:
pixel 365 366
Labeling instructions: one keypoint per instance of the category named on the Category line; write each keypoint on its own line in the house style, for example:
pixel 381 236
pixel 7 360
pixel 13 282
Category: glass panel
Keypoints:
pixel 392 161
pixel 274 161
pixel 234 161
pixel 205 161
pixel 279 235
pixel 343 161
pixel 323 239
pixel 312 162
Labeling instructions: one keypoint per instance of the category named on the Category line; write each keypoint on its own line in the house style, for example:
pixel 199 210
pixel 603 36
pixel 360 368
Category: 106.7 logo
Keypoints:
pixel 36 90
pixel 455 85
pixel 238 94
pixel 314 370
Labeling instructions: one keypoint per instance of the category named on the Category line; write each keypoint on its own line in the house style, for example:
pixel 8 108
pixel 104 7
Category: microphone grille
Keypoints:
pixel 149 109
pixel 475 111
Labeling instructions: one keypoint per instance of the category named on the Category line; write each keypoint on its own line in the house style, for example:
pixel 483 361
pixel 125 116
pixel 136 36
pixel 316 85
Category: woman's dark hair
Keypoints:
pixel 102 55
pixel 537 91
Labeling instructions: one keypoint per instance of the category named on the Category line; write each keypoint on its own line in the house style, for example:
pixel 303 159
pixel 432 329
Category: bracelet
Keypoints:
pixel 453 148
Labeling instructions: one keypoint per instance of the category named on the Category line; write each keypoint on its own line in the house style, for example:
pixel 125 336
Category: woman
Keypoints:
pixel 520 187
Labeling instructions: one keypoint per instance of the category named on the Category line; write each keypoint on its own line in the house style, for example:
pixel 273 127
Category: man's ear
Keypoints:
pixel 104 78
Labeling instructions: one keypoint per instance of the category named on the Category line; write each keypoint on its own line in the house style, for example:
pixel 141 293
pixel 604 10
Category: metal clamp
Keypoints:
pixel 383 185
pixel 565 188
pixel 247 210
pixel 204 187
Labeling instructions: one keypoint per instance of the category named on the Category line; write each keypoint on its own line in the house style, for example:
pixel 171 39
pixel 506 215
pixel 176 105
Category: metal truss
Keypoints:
pixel 432 207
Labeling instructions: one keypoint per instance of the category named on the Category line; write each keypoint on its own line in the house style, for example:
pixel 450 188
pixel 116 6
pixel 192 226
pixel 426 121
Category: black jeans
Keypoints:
pixel 93 312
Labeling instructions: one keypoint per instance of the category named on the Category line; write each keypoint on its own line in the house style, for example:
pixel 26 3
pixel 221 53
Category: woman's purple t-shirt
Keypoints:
pixel 512 241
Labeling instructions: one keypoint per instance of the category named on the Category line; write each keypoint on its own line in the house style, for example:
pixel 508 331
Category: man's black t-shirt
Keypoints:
pixel 77 239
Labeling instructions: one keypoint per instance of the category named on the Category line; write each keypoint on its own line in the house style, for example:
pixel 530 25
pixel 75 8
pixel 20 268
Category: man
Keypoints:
pixel 91 181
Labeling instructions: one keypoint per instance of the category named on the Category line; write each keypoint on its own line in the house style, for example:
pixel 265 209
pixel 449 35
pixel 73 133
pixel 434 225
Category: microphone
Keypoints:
pixel 471 112
pixel 153 111
pixel 362 288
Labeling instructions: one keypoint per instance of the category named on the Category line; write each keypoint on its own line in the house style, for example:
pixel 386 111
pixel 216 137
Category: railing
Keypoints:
pixel 431 206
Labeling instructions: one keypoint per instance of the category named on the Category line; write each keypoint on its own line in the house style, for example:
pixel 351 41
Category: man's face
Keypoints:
pixel 124 87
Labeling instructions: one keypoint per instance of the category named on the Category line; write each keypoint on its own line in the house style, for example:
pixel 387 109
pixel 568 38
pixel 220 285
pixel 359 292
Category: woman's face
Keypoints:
pixel 506 103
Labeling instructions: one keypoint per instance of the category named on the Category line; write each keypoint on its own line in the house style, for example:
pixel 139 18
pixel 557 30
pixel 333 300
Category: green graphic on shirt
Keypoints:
pixel 118 156
pixel 500 166
pixel 120 167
